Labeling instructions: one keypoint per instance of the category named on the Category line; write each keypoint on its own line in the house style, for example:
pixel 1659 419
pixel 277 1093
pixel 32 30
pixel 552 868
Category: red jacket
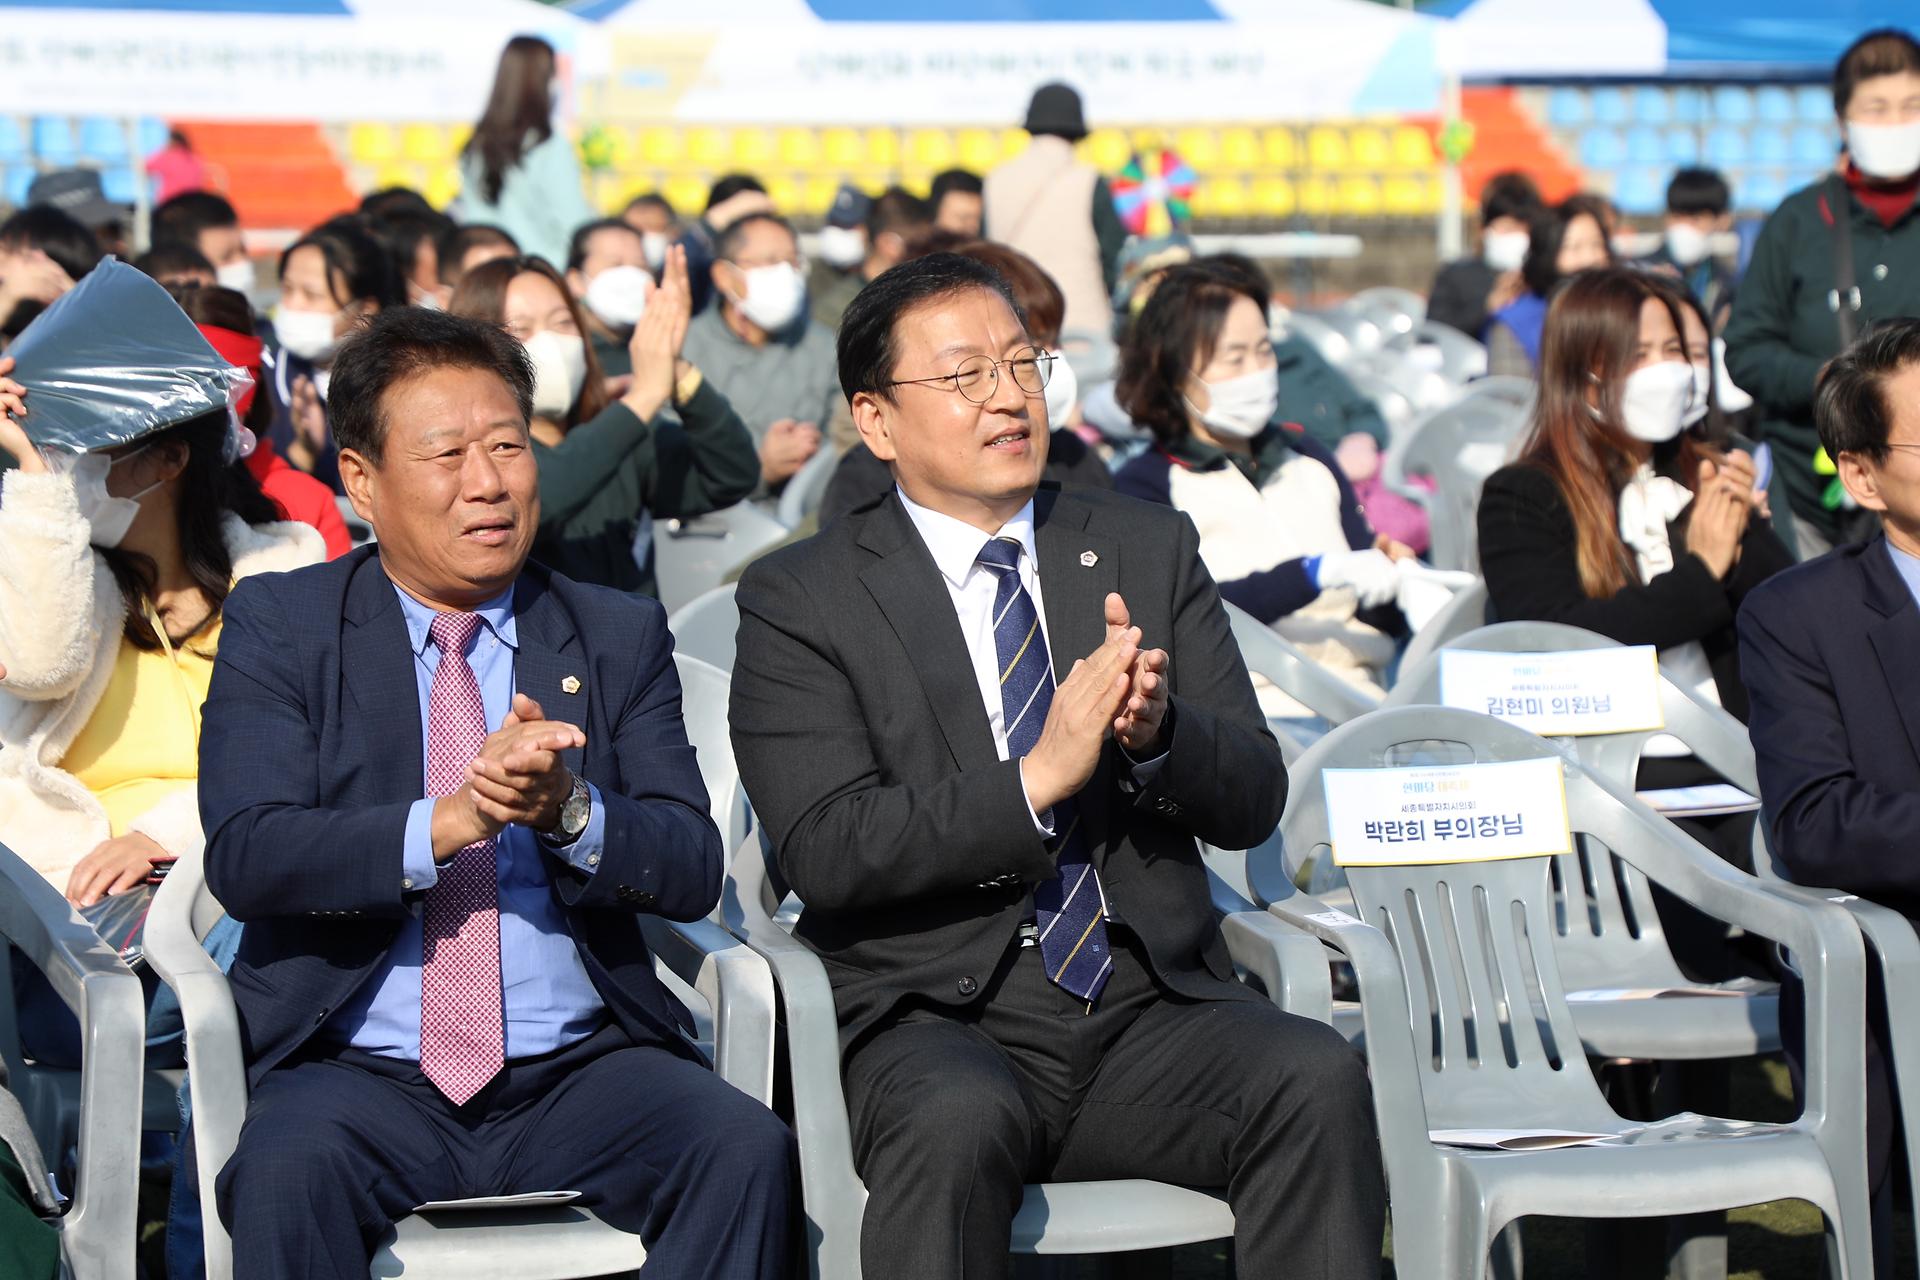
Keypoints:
pixel 300 497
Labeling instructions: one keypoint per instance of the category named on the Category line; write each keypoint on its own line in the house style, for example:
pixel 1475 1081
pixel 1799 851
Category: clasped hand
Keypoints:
pixel 518 777
pixel 1118 690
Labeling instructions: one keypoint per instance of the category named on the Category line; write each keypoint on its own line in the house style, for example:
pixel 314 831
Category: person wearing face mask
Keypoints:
pixel 609 275
pixel 1565 240
pixel 761 350
pixel 895 221
pixel 836 277
pixel 669 446
pixel 412 236
pixel 1699 208
pixel 518 172
pixel 1280 528
pixel 1795 311
pixel 1467 291
pixel 331 279
pixel 1717 405
pixel 658 225
pixel 210 224
pixel 861 478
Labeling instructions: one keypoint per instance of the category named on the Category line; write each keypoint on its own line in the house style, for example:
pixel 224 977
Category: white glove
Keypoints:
pixel 1370 573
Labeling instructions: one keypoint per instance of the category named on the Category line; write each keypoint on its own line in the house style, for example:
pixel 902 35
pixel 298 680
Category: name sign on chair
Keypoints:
pixel 1557 695
pixel 1447 813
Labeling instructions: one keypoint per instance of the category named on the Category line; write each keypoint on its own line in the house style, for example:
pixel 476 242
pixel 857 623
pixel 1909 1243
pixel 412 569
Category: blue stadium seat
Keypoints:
pixel 1726 148
pixel 1689 105
pixel 1683 147
pixel 1770 147
pixel 103 140
pixel 1602 149
pixel 1645 146
pixel 1807 175
pixel 1814 146
pixel 120 185
pixel 1652 106
pixel 1732 105
pixel 1760 191
pixel 19 179
pixel 1610 106
pixel 1773 104
pixel 1814 103
pixel 13 141
pixel 1566 108
pixel 153 136
pixel 1641 192
pixel 53 141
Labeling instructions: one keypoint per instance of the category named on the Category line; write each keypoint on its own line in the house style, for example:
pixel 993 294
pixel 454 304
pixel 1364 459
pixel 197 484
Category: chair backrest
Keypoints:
pixel 1399 310
pixel 1457 447
pixel 1467 611
pixel 1453 355
pixel 704 690
pixel 801 498
pixel 1475 940
pixel 691 556
pixel 1268 654
pixel 705 628
pixel 1332 343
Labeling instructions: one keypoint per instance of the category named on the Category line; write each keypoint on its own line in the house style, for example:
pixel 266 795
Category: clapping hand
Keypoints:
pixel 658 338
pixel 1144 714
pixel 518 777
pixel 1085 708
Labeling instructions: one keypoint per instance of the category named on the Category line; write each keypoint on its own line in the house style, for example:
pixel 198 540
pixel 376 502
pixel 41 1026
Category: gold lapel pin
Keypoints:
pixel 570 685
pixel 1088 559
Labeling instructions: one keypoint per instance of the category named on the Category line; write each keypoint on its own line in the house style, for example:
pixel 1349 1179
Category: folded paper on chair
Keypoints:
pixel 1602 995
pixel 525 1200
pixel 1707 801
pixel 1515 1139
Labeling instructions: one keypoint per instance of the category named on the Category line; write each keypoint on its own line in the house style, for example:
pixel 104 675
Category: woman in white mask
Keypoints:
pixel 669 446
pixel 608 271
pixel 1793 311
pixel 331 279
pixel 1280 528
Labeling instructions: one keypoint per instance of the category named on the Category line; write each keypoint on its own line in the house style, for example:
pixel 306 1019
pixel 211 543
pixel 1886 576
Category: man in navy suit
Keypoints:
pixel 1830 652
pixel 439 784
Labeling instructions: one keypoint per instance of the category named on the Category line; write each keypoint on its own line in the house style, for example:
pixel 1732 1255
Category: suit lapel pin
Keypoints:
pixel 1088 559
pixel 570 685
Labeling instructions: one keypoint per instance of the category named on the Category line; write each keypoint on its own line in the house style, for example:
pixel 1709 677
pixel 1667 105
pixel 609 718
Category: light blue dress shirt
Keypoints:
pixel 548 999
pixel 1909 567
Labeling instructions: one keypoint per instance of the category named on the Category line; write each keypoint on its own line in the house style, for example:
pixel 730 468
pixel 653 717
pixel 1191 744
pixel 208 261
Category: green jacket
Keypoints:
pixel 1784 329
pixel 1316 395
pixel 609 473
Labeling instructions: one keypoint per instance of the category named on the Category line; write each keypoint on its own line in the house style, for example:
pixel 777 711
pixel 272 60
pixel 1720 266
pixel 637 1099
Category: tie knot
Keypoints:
pixel 999 553
pixel 452 632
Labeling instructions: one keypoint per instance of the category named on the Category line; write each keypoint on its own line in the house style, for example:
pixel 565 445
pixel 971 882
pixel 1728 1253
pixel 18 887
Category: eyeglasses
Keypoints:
pixel 978 377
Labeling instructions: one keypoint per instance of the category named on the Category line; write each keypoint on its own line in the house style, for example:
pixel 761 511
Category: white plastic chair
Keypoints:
pixel 98 1228
pixel 1458 447
pixel 690 557
pixel 704 692
pixel 555 1243
pixel 1269 654
pixel 1467 1025
pixel 1452 354
pixel 1467 611
pixel 1055 1217
pixel 705 627
pixel 807 486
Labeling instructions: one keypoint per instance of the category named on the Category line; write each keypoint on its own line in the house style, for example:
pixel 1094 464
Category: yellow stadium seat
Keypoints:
pixel 372 144
pixel 1413 148
pixel 662 147
pixel 1368 149
pixel 752 149
pixel 1410 197
pixel 1150 138
pixel 979 149
pixel 1317 196
pixel 930 149
pixel 708 149
pixel 1280 148
pixel 424 143
pixel 797 149
pixel 1326 149
pixel 1108 150
pixel 1013 142
pixel 816 195
pixel 1274 198
pixel 1199 148
pixel 1239 150
pixel 882 149
pixel 844 149
pixel 443 185
pixel 1228 198
pixel 686 193
pixel 1359 198
pixel 785 194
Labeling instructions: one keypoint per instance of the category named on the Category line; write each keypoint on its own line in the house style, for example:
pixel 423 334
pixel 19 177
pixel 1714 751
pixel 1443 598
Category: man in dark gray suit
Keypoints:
pixel 999 870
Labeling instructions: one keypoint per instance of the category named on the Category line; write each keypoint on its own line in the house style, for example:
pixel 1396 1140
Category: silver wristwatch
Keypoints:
pixel 575 810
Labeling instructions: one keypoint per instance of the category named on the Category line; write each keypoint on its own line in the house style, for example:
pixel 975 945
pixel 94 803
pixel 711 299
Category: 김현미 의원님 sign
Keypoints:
pixel 1556 695
pixel 1447 813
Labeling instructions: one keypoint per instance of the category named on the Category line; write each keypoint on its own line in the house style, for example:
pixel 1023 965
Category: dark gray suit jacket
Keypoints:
pixel 863 742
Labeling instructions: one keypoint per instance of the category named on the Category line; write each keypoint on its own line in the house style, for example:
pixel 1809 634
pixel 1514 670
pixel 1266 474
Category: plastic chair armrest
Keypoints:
pixel 736 984
pixel 1290 964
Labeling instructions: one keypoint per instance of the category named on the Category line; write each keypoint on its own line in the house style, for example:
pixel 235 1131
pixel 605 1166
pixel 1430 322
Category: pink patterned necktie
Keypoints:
pixel 461 1040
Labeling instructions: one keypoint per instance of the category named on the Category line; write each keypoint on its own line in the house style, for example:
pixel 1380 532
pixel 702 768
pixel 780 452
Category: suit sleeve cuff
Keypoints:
pixel 1042 822
pixel 583 854
pixel 418 871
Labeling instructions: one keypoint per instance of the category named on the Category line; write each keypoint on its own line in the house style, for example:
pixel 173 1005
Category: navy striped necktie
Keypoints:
pixel 1069 908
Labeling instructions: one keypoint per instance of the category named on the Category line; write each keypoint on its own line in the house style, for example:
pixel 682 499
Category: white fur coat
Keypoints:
pixel 61 621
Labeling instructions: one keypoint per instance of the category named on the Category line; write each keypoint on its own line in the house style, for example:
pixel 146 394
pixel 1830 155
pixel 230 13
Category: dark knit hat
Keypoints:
pixel 1055 109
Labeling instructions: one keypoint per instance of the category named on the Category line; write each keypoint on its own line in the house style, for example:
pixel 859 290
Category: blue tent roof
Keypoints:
pixel 1780 34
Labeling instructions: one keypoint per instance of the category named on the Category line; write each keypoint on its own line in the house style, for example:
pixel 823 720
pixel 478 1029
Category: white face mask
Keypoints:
pixel 774 296
pixel 1702 394
pixel 559 371
pixel 1733 399
pixel 237 275
pixel 1687 244
pixel 654 244
pixel 1241 407
pixel 307 334
pixel 619 296
pixel 1504 250
pixel 1885 151
pixel 1063 391
pixel 843 247
pixel 1655 401
pixel 108 518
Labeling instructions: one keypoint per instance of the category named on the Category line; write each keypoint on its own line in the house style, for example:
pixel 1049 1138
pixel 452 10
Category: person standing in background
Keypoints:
pixel 1058 211
pixel 1699 207
pixel 1794 313
pixel 518 172
pixel 958 202
pixel 1565 240
pixel 657 224
pixel 210 224
pixel 836 277
pixel 1468 291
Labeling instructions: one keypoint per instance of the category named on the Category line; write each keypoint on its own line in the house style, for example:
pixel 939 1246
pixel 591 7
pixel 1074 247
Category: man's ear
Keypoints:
pixel 874 418
pixel 724 283
pixel 577 282
pixel 356 477
pixel 1862 481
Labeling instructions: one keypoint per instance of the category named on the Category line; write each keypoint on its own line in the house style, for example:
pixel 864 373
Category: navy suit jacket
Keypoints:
pixel 310 756
pixel 1830 652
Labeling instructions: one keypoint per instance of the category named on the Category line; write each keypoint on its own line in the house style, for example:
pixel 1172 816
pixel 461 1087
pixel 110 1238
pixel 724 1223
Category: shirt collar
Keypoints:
pixel 955 544
pixel 1270 448
pixel 496 614
pixel 1909 567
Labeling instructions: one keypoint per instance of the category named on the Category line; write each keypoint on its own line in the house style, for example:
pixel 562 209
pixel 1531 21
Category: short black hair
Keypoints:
pixel 1851 409
pixel 406 342
pixel 652 200
pixel 583 236
pixel 188 214
pixel 388 201
pixel 356 261
pixel 174 258
pixel 727 186
pixel 964 181
pixel 1509 195
pixel 459 241
pixel 1885 52
pixel 404 229
pixel 897 210
pixel 56 234
pixel 1695 191
pixel 867 348
pixel 729 240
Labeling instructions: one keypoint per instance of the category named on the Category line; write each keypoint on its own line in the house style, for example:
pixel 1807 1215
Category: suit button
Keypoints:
pixel 644 900
pixel 967 986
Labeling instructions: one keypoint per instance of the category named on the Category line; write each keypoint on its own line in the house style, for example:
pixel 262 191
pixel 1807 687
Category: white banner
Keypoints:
pixel 1558 695
pixel 1447 813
